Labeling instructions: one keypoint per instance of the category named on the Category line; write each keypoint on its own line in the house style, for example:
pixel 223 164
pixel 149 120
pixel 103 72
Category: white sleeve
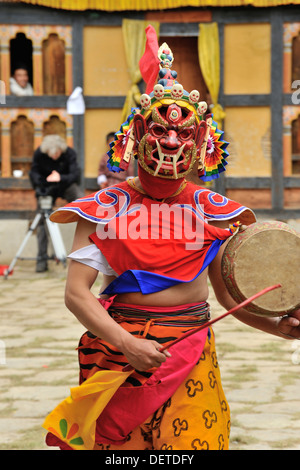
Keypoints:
pixel 92 256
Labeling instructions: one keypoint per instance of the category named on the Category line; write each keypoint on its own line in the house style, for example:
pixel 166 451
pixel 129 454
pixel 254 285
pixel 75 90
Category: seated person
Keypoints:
pixel 54 172
pixel 19 83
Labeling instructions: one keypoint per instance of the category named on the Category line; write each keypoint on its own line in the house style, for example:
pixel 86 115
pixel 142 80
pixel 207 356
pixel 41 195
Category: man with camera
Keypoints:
pixel 54 173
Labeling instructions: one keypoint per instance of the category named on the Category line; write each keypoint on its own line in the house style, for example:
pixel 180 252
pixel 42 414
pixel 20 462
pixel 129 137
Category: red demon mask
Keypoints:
pixel 169 141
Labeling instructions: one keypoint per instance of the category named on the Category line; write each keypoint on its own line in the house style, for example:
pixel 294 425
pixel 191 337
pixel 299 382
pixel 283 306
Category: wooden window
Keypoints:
pixel 296 58
pixel 53 65
pixel 296 146
pixel 21 54
pixel 54 126
pixel 22 144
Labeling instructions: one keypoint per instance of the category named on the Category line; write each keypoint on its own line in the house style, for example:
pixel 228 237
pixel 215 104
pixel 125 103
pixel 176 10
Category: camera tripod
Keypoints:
pixel 44 210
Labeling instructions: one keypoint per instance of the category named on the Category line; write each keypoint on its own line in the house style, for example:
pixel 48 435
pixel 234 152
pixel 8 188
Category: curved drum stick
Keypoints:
pixel 205 325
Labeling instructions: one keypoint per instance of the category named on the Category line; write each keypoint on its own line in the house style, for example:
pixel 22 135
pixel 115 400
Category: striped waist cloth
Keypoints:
pixel 182 315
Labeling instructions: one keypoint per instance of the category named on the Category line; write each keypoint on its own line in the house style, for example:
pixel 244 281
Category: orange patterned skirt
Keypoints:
pixel 197 416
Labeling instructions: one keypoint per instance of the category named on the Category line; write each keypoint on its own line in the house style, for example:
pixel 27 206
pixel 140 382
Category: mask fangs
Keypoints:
pixel 168 161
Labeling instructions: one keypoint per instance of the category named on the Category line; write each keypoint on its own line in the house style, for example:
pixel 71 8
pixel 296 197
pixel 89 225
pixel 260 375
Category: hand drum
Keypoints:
pixel 263 254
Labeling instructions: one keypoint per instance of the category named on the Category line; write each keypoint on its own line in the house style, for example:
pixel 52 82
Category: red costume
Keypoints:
pixel 175 232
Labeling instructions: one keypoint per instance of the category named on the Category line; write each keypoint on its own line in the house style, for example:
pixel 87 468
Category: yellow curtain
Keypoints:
pixel 122 5
pixel 134 41
pixel 209 58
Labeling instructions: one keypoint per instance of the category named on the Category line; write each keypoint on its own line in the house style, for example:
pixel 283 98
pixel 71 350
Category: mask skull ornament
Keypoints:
pixel 202 107
pixel 194 96
pixel 145 101
pixel 177 91
pixel 158 91
pixel 169 141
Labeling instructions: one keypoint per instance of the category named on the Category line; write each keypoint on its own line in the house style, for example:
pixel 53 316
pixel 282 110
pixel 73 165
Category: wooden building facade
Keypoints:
pixel 82 44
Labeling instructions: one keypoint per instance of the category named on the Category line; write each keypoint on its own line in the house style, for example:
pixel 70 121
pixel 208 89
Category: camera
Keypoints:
pixel 45 197
pixel 45 203
pixel 41 191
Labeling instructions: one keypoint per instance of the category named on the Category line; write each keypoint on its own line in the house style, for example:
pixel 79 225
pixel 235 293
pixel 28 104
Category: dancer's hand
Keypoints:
pixel 143 354
pixel 289 325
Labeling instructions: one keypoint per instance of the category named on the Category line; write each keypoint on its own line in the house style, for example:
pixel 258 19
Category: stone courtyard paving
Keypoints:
pixel 38 365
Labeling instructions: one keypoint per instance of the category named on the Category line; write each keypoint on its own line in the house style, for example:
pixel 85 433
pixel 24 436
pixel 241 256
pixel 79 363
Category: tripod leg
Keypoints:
pixel 56 239
pixel 23 244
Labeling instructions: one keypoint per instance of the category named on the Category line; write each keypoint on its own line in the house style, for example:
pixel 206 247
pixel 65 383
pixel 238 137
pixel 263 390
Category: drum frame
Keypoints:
pixel 228 257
